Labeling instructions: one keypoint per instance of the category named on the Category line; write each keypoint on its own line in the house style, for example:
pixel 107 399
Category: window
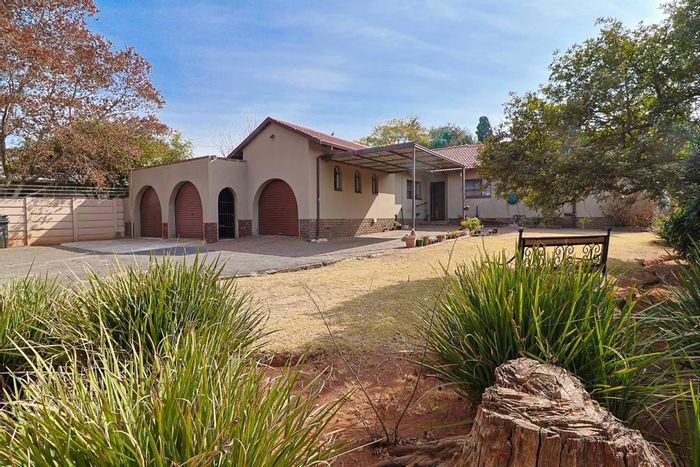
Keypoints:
pixel 375 184
pixel 358 182
pixel 409 190
pixel 337 179
pixel 477 188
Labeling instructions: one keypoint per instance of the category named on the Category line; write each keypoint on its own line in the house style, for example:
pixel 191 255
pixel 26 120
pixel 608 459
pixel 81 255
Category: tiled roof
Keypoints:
pixel 322 138
pixel 466 154
pixel 326 139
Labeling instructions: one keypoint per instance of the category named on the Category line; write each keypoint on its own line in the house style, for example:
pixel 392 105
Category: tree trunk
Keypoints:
pixel 541 415
pixel 536 415
pixel 573 214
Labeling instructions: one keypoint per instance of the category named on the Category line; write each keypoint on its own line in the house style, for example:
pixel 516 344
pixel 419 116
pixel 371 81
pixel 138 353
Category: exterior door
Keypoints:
pixel 227 214
pixel 437 201
pixel 151 220
pixel 188 213
pixel 277 210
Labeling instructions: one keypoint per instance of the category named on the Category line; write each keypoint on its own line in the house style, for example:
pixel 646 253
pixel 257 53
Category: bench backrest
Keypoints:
pixel 594 251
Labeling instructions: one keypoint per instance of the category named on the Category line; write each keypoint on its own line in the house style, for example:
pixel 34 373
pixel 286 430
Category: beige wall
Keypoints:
pixel 496 208
pixel 208 174
pixel 48 221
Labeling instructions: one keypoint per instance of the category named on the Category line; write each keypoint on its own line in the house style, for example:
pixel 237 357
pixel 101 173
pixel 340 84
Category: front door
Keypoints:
pixel 437 201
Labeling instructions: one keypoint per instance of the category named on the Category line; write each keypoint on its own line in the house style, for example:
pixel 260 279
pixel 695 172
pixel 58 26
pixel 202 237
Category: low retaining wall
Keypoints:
pixel 337 228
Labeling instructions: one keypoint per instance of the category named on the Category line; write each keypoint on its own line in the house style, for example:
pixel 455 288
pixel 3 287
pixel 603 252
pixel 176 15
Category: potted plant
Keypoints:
pixel 426 240
pixel 441 238
pixel 419 242
pixel 584 221
pixel 409 239
pixel 471 224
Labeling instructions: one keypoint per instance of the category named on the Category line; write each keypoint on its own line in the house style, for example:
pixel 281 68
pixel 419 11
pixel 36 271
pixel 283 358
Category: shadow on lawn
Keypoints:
pixel 381 319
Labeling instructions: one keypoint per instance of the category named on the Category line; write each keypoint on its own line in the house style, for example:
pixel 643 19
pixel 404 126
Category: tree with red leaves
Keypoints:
pixel 72 108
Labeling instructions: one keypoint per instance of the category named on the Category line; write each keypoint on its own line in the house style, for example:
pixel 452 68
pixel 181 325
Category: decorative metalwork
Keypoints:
pixel 563 249
pixel 62 191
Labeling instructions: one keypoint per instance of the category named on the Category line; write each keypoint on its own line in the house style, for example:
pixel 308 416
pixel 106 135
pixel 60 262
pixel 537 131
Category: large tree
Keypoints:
pixel 618 114
pixel 56 77
pixel 483 128
pixel 397 130
pixel 448 135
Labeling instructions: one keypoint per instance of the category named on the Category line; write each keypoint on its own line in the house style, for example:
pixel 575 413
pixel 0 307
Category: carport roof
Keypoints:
pixel 394 158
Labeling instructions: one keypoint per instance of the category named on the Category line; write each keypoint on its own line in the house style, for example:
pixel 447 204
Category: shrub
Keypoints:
pixel 141 307
pixel 192 405
pixel 635 211
pixel 678 319
pixel 27 314
pixel 471 224
pixel 561 315
pixel 682 227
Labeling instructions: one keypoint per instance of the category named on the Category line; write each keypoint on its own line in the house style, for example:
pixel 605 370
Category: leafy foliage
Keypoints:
pixel 681 230
pixel 470 223
pixel 483 129
pixel 56 79
pixel 558 314
pixel 618 115
pixel 397 130
pixel 448 135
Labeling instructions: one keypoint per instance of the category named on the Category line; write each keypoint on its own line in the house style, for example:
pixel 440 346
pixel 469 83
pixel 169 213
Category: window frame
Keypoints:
pixel 337 178
pixel 357 181
pixel 483 190
pixel 375 184
pixel 409 190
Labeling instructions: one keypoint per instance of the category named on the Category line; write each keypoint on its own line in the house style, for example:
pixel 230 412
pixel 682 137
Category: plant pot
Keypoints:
pixel 410 241
pixel 426 241
pixel 440 238
pixel 419 242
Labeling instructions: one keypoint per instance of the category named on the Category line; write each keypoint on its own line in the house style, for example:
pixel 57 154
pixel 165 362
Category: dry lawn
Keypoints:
pixel 370 304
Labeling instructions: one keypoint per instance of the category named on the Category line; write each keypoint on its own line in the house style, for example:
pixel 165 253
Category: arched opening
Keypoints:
pixel 277 210
pixel 150 214
pixel 188 212
pixel 227 214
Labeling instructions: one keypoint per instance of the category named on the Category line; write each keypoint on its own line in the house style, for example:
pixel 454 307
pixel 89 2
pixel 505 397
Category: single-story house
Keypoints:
pixel 286 179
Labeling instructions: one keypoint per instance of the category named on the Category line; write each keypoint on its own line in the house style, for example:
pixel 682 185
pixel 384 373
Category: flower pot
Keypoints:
pixel 426 241
pixel 419 242
pixel 440 238
pixel 410 241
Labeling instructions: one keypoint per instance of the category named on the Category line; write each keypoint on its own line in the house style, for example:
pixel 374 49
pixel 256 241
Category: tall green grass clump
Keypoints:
pixel 145 307
pixel 678 319
pixel 190 405
pixel 564 315
pixel 27 315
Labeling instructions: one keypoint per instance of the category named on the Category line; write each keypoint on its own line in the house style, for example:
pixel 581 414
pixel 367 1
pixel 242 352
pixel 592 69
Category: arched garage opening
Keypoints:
pixel 227 214
pixel 277 210
pixel 189 221
pixel 150 214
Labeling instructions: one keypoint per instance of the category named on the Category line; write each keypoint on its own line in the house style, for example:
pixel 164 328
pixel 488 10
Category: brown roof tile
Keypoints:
pixel 466 154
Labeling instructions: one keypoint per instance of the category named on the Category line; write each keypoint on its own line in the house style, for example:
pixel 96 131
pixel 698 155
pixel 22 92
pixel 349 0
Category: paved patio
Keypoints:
pixel 239 257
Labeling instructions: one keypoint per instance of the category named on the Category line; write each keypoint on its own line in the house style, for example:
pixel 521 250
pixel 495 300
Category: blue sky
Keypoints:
pixel 344 66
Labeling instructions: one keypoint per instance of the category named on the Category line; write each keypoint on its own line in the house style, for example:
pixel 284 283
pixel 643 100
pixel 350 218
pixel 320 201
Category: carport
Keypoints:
pixel 394 158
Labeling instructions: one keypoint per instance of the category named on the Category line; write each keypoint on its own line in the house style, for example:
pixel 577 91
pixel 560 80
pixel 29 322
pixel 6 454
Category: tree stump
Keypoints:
pixel 536 415
pixel 541 415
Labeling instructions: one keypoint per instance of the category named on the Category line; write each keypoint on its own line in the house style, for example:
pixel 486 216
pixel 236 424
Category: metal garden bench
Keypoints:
pixel 562 248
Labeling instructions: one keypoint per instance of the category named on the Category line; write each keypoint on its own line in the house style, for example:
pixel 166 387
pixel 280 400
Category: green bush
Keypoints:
pixel 191 405
pixel 141 307
pixel 27 314
pixel 682 227
pixel 494 312
pixel 471 224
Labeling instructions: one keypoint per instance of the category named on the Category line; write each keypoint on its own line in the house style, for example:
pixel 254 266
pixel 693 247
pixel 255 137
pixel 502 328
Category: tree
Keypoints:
pixel 618 115
pixel 57 76
pixel 448 135
pixel 483 129
pixel 397 130
pixel 98 152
